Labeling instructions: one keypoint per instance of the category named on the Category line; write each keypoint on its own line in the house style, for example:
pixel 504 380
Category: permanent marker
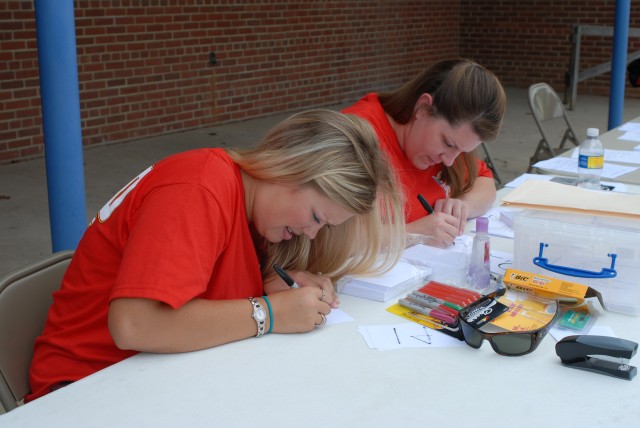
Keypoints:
pixel 285 276
pixel 437 289
pixel 425 204
pixel 434 313
pixel 428 301
pixel 437 300
pixel 448 295
pixel 433 323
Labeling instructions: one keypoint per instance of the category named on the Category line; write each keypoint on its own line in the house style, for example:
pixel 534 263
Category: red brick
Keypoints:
pixel 156 58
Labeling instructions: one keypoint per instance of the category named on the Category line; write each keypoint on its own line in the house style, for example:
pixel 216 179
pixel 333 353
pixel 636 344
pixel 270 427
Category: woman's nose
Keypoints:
pixel 312 231
pixel 449 157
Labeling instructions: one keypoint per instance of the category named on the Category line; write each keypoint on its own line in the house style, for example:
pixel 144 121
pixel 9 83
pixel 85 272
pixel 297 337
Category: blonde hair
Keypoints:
pixel 463 92
pixel 339 156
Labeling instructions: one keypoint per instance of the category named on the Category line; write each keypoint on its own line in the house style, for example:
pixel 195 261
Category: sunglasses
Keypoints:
pixel 509 343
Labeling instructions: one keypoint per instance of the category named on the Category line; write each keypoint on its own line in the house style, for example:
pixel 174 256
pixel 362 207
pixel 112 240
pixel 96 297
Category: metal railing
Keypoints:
pixel 575 75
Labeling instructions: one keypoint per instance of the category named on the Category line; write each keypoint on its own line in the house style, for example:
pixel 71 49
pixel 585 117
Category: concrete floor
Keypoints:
pixel 24 218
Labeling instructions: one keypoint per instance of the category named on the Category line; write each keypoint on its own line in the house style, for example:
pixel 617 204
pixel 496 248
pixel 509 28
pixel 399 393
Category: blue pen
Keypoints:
pixel 425 204
pixel 285 277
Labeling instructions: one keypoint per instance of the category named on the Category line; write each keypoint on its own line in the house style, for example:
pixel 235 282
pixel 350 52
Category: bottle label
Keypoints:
pixel 590 162
pixel 486 259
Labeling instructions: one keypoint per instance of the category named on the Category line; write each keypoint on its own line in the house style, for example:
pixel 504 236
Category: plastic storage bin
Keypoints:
pixel 602 252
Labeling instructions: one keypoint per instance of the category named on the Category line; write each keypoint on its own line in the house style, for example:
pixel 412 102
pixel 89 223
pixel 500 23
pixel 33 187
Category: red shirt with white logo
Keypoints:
pixel 177 232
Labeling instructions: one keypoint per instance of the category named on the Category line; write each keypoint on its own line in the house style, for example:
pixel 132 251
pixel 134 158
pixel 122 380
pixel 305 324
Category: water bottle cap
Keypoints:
pixel 593 132
pixel 482 224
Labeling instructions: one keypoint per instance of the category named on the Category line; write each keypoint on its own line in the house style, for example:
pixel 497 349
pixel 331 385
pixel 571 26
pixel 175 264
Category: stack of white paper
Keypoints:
pixel 402 277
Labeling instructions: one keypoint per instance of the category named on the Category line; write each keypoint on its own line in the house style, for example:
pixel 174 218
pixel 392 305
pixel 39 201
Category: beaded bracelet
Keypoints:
pixel 266 299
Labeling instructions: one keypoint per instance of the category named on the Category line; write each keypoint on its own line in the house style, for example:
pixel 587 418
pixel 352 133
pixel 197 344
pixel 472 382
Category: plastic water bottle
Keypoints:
pixel 479 274
pixel 590 160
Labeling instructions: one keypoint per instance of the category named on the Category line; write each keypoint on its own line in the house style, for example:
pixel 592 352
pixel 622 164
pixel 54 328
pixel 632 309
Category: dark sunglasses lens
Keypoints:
pixel 512 344
pixel 472 336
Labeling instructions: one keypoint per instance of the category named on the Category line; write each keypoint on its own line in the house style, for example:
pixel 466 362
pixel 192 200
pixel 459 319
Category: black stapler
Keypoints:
pixel 598 354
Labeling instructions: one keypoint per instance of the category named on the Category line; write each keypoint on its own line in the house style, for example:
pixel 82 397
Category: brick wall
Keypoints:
pixel 144 65
pixel 528 41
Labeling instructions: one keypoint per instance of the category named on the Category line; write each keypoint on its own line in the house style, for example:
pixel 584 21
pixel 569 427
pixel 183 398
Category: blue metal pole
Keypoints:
pixel 619 62
pixel 58 64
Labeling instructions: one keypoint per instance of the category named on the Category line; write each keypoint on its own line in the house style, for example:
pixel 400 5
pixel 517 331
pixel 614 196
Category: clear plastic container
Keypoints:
pixel 574 245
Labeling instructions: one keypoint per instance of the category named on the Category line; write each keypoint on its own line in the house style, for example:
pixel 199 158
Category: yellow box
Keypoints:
pixel 548 287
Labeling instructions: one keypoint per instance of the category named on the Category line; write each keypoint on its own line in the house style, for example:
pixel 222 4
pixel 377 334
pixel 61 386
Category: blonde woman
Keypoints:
pixel 170 263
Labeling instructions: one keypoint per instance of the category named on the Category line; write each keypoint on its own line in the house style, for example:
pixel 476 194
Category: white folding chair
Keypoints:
pixel 552 120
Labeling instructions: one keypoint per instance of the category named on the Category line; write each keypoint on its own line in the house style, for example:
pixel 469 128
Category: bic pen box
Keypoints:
pixel 548 287
pixel 602 252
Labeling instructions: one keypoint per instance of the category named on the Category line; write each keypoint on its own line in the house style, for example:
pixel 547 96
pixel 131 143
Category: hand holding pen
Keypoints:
pixel 321 282
pixel 425 204
pixel 285 277
pixel 323 311
pixel 442 227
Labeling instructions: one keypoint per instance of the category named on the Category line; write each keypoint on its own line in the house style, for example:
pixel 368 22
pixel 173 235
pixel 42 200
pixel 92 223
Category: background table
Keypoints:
pixel 609 141
pixel 330 378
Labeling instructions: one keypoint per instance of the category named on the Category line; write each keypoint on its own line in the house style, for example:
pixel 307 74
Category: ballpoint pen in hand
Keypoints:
pixel 425 204
pixel 285 276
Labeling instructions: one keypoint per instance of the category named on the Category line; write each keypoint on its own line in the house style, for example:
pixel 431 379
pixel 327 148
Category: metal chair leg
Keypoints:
pixel 491 164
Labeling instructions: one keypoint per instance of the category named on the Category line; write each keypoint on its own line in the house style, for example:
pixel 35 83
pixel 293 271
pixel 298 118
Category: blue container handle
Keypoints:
pixel 605 273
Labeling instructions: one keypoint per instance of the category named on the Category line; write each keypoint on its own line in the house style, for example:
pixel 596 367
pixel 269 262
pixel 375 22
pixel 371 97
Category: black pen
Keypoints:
pixel 285 276
pixel 425 204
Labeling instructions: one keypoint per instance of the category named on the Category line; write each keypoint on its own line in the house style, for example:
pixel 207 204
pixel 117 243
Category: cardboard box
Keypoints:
pixel 598 251
pixel 548 287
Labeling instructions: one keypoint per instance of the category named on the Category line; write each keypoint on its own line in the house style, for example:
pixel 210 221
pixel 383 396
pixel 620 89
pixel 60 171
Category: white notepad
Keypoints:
pixel 402 277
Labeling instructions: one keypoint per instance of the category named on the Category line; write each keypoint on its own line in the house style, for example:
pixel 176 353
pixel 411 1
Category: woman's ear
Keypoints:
pixel 423 104
pixel 424 99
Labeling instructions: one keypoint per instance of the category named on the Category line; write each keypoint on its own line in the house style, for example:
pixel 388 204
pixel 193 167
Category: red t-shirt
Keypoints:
pixel 177 232
pixel 427 182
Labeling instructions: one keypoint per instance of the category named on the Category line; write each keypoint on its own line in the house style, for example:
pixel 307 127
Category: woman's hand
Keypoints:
pixel 455 207
pixel 298 310
pixel 305 279
pixel 445 224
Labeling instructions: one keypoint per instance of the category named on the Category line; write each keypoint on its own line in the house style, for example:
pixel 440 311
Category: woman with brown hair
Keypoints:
pixel 429 128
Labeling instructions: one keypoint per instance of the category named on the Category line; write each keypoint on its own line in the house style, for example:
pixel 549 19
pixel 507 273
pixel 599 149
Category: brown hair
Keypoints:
pixel 462 92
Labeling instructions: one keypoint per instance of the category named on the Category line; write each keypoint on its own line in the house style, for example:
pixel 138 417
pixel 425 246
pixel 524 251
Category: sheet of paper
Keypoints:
pixel 630 136
pixel 560 197
pixel 405 335
pixel 631 132
pixel 524 177
pixel 500 262
pixel 401 272
pixel 624 156
pixel 496 226
pixel 420 248
pixel 617 187
pixel 630 126
pixel 337 316
pixel 570 165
